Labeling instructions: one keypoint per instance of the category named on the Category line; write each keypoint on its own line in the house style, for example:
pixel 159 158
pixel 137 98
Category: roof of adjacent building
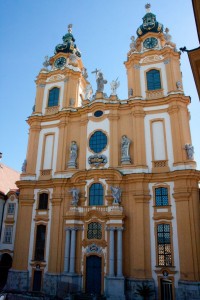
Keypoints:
pixel 8 178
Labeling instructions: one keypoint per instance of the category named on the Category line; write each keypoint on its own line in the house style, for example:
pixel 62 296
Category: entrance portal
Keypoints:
pixel 5 265
pixel 166 289
pixel 93 274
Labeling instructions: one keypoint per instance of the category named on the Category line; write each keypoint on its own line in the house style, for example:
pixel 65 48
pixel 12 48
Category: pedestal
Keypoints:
pixel 114 288
pixel 17 280
pixel 73 282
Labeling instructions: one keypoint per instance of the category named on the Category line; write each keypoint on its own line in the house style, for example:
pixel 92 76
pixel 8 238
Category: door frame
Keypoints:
pixel 160 278
pixel 102 270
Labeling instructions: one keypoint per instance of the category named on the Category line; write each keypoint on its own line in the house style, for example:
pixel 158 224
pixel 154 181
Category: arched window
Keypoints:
pixel 153 80
pixel 40 242
pixel 94 231
pixel 96 194
pixel 161 196
pixel 43 201
pixel 164 245
pixel 53 97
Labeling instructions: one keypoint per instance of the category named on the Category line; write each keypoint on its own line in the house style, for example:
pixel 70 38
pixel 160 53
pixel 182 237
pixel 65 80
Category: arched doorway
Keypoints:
pixel 93 274
pixel 5 265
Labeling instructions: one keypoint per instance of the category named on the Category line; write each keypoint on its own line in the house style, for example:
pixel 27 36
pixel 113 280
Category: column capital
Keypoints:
pixel 111 228
pixel 120 228
pixel 72 228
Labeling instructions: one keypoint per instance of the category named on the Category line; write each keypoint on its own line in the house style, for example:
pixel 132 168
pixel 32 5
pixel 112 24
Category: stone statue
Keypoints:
pixel 75 196
pixel 125 145
pixel 73 155
pixel 130 92
pixel 190 151
pixel 167 36
pixel 100 80
pixel 24 166
pixel 114 85
pixel 88 92
pixel 116 193
pixel 84 72
pixel 46 62
pixel 133 44
pixel 179 85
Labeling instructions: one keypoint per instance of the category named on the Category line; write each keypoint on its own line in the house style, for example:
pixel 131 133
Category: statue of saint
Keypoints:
pixel 75 196
pixel 190 151
pixel 73 151
pixel 100 80
pixel 73 155
pixel 88 92
pixel 125 145
pixel 116 193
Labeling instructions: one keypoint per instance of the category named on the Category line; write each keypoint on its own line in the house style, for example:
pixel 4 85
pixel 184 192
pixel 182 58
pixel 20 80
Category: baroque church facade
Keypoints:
pixel 109 198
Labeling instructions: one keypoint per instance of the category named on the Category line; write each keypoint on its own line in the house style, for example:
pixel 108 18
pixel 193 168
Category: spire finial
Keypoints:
pixel 70 28
pixel 148 7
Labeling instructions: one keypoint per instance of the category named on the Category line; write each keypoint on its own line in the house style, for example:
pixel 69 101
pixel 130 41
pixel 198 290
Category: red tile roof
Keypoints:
pixel 8 177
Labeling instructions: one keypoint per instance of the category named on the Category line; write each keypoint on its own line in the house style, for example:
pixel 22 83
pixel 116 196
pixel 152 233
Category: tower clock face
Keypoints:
pixel 60 62
pixel 150 43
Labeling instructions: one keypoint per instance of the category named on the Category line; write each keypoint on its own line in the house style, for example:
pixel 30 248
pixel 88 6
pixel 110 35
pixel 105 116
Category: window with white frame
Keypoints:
pixel 7 239
pixel 11 208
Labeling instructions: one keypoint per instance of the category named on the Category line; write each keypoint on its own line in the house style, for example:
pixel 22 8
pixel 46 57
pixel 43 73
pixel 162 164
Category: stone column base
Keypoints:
pixel 18 280
pixel 188 290
pixel 114 288
pixel 73 281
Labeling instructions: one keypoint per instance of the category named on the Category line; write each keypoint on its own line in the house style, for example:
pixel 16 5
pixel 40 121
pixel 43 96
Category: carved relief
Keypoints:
pixel 55 78
pixel 151 58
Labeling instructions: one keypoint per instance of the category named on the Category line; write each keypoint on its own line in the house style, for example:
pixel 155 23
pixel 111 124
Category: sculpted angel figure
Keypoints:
pixel 116 193
pixel 88 92
pixel 114 85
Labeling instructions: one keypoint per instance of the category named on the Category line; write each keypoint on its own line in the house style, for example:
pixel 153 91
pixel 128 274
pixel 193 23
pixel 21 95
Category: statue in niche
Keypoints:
pixel 75 196
pixel 190 151
pixel 114 85
pixel 73 155
pixel 100 80
pixel 24 165
pixel 116 193
pixel 88 92
pixel 125 145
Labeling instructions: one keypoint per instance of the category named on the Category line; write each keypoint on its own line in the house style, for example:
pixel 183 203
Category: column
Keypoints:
pixel 119 252
pixel 72 251
pixel 67 248
pixel 111 257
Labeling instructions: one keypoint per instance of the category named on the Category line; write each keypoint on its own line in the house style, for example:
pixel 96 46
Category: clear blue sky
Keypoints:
pixel 30 30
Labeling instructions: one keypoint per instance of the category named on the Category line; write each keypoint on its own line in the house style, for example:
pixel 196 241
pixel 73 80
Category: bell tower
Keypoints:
pixel 153 62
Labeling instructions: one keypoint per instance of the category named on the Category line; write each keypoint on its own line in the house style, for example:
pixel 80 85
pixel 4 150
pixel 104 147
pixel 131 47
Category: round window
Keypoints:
pixel 98 141
pixel 98 113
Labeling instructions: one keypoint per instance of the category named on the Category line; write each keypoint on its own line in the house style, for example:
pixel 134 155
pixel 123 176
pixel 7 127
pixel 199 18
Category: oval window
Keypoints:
pixel 98 113
pixel 98 141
